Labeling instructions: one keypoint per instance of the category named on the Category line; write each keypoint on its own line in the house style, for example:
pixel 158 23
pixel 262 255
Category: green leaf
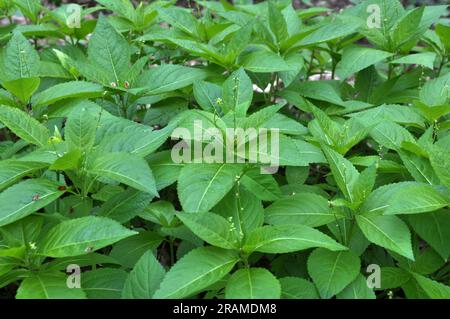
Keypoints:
pixel 392 277
pixel 201 187
pixel 24 126
pixel 243 209
pixel 344 173
pixel 67 90
pixel 329 31
pixel 263 186
pixel 125 205
pixel 51 285
pixel 144 279
pixel 358 289
pixel 264 62
pixel 80 130
pixel 355 59
pixel 305 209
pixel 129 250
pixel 426 59
pixel 125 168
pixel 435 229
pixel 180 18
pixel 387 231
pixel 436 92
pixel 288 238
pixel 439 161
pixel 20 59
pixel 391 135
pixel 23 88
pixel 237 92
pixel 207 94
pixel 277 23
pixel 167 78
pixel 166 172
pixel 297 288
pixel 212 228
pixel 407 28
pixel 443 31
pixel 81 236
pixel 12 171
pixel 139 140
pixel 195 271
pixel 292 152
pixel 109 52
pixel 69 161
pixel 390 199
pixel 332 271
pixel 433 289
pixel 103 283
pixel 121 7
pixel 25 198
pixel 252 283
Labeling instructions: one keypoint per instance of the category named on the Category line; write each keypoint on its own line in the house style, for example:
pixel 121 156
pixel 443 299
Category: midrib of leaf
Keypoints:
pixel 22 63
pixel 208 186
pixel 436 206
pixel 302 214
pixel 441 238
pixel 419 170
pixel 332 272
pixel 112 62
pixel 381 231
pixel 43 287
pixel 84 242
pixel 146 144
pixel 127 200
pixel 141 246
pixel 347 189
pixel 99 170
pixel 201 276
pixel 25 206
pixel 101 288
pixel 250 283
pixel 211 231
pixel 163 87
pixel 209 99
pixel 291 239
pixel 387 137
pixel 6 181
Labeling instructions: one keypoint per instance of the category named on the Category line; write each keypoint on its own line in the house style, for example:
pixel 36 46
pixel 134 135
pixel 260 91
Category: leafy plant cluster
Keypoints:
pixel 90 97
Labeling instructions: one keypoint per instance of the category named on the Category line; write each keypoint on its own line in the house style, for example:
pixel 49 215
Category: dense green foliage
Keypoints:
pixel 91 96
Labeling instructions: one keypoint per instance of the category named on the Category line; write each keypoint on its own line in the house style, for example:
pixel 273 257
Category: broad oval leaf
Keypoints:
pixel 332 271
pixel 387 231
pixel 212 228
pixel 253 283
pixel 202 186
pixel 144 279
pixel 195 271
pixel 125 168
pixel 51 285
pixel 288 238
pixel 81 236
pixel 24 126
pixel 305 209
pixel 26 197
